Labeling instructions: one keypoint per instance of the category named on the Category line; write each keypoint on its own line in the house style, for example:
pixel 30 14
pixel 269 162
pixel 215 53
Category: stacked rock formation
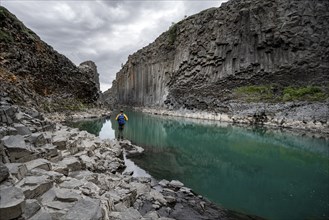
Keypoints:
pixel 201 60
pixel 51 171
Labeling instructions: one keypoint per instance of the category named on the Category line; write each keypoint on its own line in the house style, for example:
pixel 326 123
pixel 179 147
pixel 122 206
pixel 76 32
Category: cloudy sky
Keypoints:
pixel 104 31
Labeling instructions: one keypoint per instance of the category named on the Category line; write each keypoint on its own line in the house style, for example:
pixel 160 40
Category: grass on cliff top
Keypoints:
pixel 271 93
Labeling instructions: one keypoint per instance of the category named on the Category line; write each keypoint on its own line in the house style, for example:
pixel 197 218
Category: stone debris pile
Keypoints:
pixel 51 171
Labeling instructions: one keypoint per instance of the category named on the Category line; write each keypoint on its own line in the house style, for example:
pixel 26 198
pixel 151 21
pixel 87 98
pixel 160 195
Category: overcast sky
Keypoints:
pixel 104 31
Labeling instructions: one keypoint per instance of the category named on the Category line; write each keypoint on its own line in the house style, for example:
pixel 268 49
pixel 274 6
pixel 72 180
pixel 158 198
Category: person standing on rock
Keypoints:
pixel 121 118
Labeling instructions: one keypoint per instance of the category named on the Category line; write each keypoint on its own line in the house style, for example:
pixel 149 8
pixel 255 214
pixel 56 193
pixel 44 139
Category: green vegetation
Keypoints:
pixel 255 93
pixel 172 33
pixel 310 93
pixel 273 93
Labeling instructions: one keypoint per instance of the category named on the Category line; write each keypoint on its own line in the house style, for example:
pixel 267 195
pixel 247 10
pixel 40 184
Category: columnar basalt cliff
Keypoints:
pixel 34 74
pixel 201 62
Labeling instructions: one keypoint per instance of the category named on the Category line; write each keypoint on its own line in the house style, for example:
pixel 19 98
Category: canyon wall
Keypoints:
pixel 34 74
pixel 200 61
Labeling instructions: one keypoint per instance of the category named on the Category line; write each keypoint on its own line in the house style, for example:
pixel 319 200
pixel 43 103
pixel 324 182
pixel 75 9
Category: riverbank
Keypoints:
pixel 300 117
pixel 51 171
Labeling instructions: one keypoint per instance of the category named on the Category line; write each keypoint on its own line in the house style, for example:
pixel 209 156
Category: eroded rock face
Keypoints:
pixel 34 74
pixel 201 59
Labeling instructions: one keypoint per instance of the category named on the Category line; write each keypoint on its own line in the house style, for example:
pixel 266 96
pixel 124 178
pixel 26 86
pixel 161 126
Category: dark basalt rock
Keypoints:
pixel 198 63
pixel 34 74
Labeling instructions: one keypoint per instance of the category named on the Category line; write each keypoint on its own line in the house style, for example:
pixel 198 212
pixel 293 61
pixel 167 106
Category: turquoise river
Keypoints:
pixel 270 173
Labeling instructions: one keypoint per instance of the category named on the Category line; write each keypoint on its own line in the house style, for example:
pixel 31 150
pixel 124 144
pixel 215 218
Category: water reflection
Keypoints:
pixel 263 172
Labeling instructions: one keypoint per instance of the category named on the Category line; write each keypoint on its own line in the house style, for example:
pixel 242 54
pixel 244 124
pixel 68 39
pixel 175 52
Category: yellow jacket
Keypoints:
pixel 124 115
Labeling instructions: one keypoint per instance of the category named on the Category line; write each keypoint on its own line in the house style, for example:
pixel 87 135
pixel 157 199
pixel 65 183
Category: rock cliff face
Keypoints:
pixel 200 62
pixel 33 73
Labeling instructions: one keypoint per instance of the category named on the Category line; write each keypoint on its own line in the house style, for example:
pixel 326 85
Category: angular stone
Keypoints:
pixel 176 184
pixel 42 214
pixel 19 170
pixel 131 214
pixel 61 168
pixel 38 139
pixel 151 215
pixel 164 183
pixel 4 172
pixel 85 209
pixel 72 183
pixel 67 195
pixel 60 142
pixel 72 163
pixel 38 163
pixel 34 186
pixel 17 149
pixel 22 129
pixel 31 207
pixel 52 175
pixel 11 203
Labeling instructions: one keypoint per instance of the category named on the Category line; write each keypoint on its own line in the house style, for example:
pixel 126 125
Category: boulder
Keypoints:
pixel 12 202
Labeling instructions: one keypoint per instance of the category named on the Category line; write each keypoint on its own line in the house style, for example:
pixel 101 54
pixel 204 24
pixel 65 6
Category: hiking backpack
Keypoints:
pixel 121 120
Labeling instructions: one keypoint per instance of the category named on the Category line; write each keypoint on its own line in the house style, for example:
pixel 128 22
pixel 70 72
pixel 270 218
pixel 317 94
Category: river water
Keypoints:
pixel 272 174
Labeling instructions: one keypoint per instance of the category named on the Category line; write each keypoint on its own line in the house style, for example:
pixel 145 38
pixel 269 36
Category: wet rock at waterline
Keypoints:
pixel 64 173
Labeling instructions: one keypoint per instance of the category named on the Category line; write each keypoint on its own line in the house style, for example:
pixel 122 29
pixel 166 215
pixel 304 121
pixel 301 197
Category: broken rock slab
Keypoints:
pixel 17 149
pixel 18 170
pixel 72 163
pixel 38 163
pixel 12 202
pixel 34 186
pixel 85 209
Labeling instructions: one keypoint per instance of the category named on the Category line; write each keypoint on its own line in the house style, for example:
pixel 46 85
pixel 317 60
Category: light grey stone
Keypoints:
pixel 164 183
pixel 85 209
pixel 60 142
pixel 67 195
pixel 34 186
pixel 22 129
pixel 151 215
pixel 31 207
pixel 71 183
pixel 131 214
pixel 37 139
pixel 72 163
pixel 42 214
pixel 17 149
pixel 12 202
pixel 19 170
pixel 38 163
pixel 176 184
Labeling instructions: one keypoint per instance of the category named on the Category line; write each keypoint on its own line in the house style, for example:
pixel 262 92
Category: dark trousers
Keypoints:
pixel 120 133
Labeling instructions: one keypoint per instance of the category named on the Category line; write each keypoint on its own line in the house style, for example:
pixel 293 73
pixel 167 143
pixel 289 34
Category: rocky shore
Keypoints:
pixel 51 171
pixel 300 117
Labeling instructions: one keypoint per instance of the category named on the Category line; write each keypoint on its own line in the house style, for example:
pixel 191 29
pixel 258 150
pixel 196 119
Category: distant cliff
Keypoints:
pixel 250 51
pixel 34 74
